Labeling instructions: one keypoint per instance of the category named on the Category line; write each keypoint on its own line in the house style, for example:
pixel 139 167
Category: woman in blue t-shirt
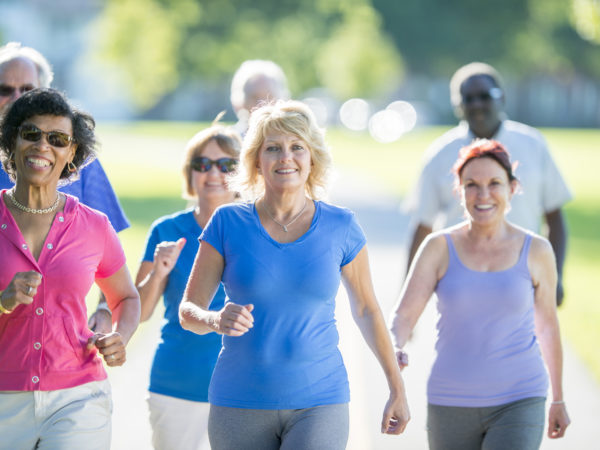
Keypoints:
pixel 280 381
pixel 496 290
pixel 184 361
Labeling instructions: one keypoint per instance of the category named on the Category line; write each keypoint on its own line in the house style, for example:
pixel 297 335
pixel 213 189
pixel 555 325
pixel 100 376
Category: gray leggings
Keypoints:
pixel 321 427
pixel 517 426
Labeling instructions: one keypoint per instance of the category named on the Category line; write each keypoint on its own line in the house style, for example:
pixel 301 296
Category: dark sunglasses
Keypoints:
pixel 32 133
pixel 203 164
pixel 8 91
pixel 493 94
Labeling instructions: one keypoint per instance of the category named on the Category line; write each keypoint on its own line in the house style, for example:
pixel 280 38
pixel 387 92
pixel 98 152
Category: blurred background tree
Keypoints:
pixel 330 43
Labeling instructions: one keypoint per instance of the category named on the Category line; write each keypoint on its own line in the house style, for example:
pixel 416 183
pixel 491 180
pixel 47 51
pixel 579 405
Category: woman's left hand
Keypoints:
pixel 558 421
pixel 395 415
pixel 111 346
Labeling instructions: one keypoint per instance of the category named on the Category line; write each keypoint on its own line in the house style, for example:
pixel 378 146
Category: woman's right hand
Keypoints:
pixel 21 290
pixel 395 414
pixel 402 358
pixel 234 320
pixel 165 256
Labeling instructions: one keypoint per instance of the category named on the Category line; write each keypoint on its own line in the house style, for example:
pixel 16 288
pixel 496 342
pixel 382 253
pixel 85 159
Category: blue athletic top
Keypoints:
pixel 92 189
pixel 184 361
pixel 487 352
pixel 290 358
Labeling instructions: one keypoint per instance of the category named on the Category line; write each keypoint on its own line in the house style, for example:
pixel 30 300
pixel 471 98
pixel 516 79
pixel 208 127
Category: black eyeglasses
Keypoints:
pixel 203 164
pixel 8 91
pixel 493 94
pixel 32 133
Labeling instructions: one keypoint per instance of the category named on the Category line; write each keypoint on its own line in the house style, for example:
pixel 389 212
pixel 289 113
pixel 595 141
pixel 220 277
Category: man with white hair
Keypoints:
pixel 478 98
pixel 256 81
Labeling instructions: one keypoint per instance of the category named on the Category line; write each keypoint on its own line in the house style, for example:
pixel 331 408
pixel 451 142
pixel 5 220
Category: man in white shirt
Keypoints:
pixel 478 98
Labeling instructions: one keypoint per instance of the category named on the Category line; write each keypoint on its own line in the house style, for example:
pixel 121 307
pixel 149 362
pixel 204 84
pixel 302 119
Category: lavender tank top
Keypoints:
pixel 487 351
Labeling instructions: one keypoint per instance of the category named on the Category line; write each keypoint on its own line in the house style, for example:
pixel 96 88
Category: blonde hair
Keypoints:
pixel 288 117
pixel 226 138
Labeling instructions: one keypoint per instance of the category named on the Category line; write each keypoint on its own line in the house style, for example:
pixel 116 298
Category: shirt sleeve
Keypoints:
pixel 355 240
pixel 426 202
pixel 152 240
pixel 555 190
pixel 97 193
pixel 113 256
pixel 213 232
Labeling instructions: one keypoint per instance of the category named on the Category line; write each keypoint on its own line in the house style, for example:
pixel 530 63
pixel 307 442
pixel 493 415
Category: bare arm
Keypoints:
pixel 152 277
pixel 429 266
pixel 557 235
pixel 367 315
pixel 124 301
pixel 542 267
pixel 194 315
pixel 101 320
pixel 421 232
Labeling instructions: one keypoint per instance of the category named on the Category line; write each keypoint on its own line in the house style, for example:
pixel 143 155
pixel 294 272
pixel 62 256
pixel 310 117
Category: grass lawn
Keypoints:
pixel 143 160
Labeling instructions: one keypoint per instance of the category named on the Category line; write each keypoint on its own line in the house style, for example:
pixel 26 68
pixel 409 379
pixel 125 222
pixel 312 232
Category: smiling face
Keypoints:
pixel 486 190
pixel 481 105
pixel 39 163
pixel 211 186
pixel 284 160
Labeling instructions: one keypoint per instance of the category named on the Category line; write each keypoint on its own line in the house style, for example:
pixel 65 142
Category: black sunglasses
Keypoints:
pixel 8 91
pixel 493 94
pixel 203 164
pixel 32 133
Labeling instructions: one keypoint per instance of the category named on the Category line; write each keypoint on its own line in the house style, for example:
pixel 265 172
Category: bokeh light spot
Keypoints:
pixel 354 114
pixel 386 126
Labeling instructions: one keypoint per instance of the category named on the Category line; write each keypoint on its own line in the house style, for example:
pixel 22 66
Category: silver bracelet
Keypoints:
pixel 103 306
pixel 558 402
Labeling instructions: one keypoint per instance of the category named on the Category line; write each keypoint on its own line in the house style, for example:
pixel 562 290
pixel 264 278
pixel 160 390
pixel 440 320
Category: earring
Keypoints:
pixel 71 167
pixel 11 157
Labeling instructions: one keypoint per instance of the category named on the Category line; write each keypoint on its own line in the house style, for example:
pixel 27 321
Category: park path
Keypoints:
pixel 387 233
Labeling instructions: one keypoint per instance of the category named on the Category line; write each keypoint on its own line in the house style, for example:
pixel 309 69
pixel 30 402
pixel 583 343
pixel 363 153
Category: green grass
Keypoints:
pixel 144 159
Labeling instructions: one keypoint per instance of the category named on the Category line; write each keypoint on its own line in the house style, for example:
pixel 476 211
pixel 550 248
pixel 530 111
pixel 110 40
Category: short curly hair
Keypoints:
pixel 289 117
pixel 42 102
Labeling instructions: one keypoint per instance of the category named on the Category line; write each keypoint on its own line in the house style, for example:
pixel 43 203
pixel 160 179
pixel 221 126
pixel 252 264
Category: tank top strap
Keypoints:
pixel 525 252
pixel 453 258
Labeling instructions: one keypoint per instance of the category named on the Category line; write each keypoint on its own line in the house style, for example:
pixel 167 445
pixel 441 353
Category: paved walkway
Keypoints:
pixel 387 232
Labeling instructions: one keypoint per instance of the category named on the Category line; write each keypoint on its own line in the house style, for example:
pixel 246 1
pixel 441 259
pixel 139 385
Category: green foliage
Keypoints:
pixel 520 37
pixel 348 64
pixel 141 37
pixel 585 17
pixel 159 43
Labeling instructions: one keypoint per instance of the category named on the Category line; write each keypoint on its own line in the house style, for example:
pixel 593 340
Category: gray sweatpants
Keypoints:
pixel 516 426
pixel 321 427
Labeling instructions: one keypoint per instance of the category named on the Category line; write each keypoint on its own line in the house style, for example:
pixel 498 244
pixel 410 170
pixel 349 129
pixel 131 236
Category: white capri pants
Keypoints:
pixel 178 424
pixel 77 417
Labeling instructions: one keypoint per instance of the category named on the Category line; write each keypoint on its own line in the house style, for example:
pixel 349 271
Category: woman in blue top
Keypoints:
pixel 496 290
pixel 280 381
pixel 184 361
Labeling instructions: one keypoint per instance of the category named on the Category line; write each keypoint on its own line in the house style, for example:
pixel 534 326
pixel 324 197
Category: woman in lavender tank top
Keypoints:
pixel 496 288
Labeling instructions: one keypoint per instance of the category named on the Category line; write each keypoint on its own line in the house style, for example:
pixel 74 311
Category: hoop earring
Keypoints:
pixel 71 167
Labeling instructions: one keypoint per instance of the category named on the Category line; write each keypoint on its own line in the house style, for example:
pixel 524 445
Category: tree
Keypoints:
pixel 337 44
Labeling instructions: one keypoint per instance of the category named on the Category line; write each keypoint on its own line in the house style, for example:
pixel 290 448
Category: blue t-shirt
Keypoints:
pixel 92 189
pixel 184 361
pixel 290 358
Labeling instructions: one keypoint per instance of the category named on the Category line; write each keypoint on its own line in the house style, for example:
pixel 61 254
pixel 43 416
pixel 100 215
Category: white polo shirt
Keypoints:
pixel 435 203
